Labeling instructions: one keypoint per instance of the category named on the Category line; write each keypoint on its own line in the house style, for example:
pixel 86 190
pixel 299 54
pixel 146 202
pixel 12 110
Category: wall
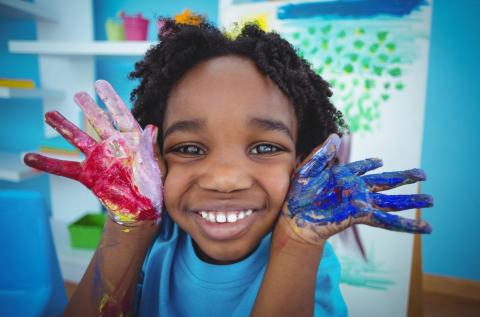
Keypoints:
pixel 451 141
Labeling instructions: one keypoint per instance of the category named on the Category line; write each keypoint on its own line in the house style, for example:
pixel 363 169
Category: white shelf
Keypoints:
pixel 96 48
pixel 73 262
pixel 23 10
pixel 8 93
pixel 13 169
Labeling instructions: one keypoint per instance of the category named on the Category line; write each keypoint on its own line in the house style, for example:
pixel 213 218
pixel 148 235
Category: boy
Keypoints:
pixel 236 116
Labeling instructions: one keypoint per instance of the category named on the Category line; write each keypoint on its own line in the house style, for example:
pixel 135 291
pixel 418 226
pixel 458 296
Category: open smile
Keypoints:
pixel 225 225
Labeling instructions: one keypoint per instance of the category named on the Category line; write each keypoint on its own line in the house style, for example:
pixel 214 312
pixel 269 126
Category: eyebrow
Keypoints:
pixel 195 125
pixel 184 126
pixel 271 125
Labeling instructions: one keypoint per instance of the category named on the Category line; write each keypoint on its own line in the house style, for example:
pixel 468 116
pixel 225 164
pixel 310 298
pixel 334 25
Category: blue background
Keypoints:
pixel 450 146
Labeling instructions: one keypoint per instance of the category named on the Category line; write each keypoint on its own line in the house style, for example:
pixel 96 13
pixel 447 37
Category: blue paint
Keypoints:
pixel 334 194
pixel 349 9
pixel 401 202
pixel 389 180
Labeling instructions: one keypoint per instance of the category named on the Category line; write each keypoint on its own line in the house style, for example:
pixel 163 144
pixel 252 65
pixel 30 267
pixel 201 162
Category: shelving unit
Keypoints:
pixel 95 48
pixel 23 10
pixel 8 93
pixel 12 168
pixel 73 262
pixel 66 54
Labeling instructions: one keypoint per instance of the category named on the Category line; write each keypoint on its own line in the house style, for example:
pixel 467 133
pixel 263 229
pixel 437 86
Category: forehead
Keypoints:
pixel 227 88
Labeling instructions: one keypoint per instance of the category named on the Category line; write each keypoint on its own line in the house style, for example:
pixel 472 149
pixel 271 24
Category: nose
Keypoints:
pixel 226 175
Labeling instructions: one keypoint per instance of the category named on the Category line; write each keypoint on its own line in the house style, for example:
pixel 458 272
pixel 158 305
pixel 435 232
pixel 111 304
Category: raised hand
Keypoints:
pixel 122 169
pixel 325 198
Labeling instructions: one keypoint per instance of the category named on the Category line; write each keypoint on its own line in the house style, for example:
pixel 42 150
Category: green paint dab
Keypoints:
pixel 381 36
pixel 391 46
pixel 395 72
pixel 359 31
pixel 378 70
pixel 383 58
pixel 311 30
pixel 341 34
pixel 338 49
pixel 369 83
pixel 374 48
pixel 326 29
pixel 353 57
pixel 399 86
pixel 348 68
pixel 358 44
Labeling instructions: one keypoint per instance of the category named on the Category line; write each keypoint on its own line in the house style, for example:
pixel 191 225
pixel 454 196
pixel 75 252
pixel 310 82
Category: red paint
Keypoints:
pixel 107 169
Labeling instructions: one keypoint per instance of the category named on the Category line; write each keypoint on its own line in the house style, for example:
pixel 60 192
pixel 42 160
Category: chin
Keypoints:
pixel 224 252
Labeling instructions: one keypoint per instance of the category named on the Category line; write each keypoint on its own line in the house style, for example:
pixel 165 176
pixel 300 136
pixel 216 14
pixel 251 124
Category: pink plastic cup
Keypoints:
pixel 136 27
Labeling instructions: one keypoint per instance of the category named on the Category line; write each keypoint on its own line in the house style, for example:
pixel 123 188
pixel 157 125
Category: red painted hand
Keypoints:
pixel 122 170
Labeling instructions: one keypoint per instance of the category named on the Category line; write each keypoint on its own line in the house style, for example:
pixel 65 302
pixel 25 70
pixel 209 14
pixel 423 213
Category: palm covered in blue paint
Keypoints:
pixel 326 198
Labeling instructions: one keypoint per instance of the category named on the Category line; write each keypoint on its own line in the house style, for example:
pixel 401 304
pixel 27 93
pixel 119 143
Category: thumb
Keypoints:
pixel 146 167
pixel 314 163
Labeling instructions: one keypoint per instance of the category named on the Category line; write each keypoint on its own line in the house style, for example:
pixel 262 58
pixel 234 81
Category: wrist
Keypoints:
pixel 286 240
pixel 142 233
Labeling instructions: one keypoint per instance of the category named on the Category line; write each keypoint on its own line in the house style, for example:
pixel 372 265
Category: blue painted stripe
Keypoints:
pixel 349 9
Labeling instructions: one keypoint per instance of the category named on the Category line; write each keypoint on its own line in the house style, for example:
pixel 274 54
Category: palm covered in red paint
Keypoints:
pixel 122 169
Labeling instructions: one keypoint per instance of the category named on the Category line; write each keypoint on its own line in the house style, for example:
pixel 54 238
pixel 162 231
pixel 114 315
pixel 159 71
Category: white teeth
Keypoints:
pixel 231 217
pixel 211 216
pixel 221 217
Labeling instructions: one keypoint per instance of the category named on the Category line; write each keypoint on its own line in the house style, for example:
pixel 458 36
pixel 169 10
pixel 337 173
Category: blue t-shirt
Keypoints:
pixel 177 283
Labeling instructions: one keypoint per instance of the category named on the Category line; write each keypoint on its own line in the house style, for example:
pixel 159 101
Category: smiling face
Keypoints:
pixel 229 145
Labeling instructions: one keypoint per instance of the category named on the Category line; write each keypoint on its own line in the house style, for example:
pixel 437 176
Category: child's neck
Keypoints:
pixel 206 258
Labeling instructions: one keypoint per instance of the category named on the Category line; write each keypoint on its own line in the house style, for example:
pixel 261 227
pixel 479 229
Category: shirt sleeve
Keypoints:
pixel 328 297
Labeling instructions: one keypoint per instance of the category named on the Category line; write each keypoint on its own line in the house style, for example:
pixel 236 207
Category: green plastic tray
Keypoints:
pixel 85 232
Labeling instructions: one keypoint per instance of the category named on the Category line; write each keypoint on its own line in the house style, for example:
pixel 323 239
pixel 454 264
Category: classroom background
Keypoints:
pixel 49 49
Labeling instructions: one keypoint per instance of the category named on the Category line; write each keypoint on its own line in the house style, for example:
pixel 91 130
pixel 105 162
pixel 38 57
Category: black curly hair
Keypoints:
pixel 183 46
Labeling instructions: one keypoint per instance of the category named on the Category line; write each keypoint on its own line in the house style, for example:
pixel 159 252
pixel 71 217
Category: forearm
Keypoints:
pixel 108 286
pixel 288 287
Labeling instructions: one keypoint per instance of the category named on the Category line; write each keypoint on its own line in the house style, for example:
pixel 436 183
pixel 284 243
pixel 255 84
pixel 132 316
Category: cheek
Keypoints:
pixel 174 185
pixel 277 184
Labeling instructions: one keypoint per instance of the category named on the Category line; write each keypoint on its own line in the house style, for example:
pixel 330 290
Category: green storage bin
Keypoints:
pixel 85 232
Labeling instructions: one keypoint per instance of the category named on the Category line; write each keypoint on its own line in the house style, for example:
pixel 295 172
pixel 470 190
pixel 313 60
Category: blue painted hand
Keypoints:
pixel 326 198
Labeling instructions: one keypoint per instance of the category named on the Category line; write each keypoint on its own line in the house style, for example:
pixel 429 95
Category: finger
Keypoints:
pixel 384 181
pixel 395 223
pixel 53 166
pixel 319 158
pixel 363 166
pixel 146 169
pixel 70 132
pixel 123 117
pixel 99 120
pixel 401 202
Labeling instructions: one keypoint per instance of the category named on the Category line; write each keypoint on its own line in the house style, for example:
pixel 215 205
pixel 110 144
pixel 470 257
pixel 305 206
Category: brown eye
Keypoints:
pixel 265 148
pixel 189 149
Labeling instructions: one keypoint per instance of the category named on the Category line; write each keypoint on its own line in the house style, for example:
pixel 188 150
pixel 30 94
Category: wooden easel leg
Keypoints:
pixel 415 297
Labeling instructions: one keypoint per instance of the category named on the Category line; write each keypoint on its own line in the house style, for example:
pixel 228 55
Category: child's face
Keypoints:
pixel 229 146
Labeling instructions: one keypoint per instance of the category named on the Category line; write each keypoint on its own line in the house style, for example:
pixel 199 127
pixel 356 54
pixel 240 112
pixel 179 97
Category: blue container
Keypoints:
pixel 30 280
